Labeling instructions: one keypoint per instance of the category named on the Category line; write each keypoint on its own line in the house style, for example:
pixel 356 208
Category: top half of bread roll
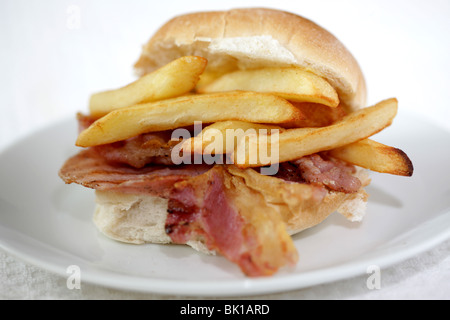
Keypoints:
pixel 256 38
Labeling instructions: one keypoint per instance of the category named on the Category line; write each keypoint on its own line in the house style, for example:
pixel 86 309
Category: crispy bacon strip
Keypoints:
pixel 207 204
pixel 219 209
pixel 91 170
pixel 141 150
pixel 332 173
pixel 155 148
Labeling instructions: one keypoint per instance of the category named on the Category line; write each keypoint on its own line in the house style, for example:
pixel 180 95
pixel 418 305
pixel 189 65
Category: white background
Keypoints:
pixel 55 53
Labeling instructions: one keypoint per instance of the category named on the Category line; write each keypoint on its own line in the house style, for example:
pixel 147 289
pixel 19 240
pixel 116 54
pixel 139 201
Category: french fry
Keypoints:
pixel 207 78
pixel 173 80
pixel 376 157
pixel 222 137
pixel 169 114
pixel 293 84
pixel 296 143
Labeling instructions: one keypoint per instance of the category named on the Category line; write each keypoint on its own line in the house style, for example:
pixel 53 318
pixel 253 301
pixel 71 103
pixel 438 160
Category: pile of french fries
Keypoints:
pixel 181 93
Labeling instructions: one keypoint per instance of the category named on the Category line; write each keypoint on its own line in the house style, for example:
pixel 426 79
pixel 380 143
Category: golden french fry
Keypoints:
pixel 169 114
pixel 174 79
pixel 222 137
pixel 296 143
pixel 376 157
pixel 208 77
pixel 293 84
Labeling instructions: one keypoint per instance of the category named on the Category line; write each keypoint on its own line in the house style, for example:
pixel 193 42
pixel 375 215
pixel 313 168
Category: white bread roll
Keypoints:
pixel 253 38
pixel 135 219
pixel 141 219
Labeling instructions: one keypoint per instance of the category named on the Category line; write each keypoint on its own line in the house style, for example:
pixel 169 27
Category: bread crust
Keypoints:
pixel 255 37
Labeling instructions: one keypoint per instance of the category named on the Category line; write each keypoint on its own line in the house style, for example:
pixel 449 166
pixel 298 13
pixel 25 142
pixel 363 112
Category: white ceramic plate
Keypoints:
pixel 47 223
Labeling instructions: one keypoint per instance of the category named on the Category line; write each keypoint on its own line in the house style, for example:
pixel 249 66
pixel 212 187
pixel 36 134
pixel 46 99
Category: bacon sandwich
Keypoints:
pixel 242 69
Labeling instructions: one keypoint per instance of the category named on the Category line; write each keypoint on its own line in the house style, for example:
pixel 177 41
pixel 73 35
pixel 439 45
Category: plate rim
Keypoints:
pixel 247 286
